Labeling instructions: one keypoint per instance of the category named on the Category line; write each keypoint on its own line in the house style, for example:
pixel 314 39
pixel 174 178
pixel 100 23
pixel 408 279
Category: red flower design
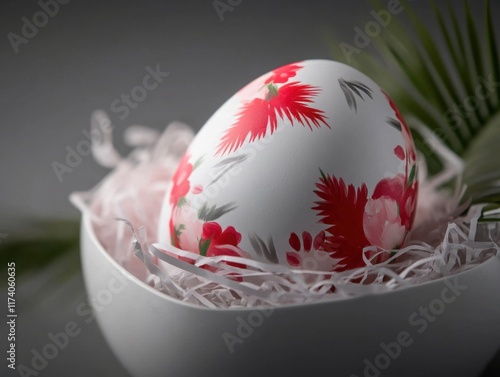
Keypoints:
pixel 180 180
pixel 282 74
pixel 289 101
pixel 309 249
pixel 216 241
pixel 188 228
pixel 354 221
pixel 402 189
pixel 399 152
pixel 174 239
pixel 342 208
pixel 293 259
pixel 198 189
pixel 382 223
pixel 405 130
pixel 395 189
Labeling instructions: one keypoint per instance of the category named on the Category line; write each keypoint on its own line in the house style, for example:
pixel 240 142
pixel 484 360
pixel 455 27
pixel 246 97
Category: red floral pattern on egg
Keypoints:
pixel 286 102
pixel 355 221
pixel 216 242
pixel 346 218
pixel 180 180
pixel 282 74
pixel 188 231
pixel 405 130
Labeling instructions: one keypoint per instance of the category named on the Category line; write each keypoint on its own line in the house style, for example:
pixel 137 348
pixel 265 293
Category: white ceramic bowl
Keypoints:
pixel 384 334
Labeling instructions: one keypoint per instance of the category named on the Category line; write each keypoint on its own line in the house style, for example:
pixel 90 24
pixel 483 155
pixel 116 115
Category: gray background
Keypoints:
pixel 86 57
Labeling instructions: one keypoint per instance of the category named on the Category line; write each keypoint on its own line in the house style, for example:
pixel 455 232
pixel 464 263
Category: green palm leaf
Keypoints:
pixel 38 245
pixel 453 90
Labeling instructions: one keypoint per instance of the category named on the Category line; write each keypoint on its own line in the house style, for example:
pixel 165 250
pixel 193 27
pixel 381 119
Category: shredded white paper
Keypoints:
pixel 443 240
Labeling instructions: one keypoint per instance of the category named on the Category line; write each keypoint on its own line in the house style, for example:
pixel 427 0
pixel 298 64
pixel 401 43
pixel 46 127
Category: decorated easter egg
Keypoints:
pixel 310 165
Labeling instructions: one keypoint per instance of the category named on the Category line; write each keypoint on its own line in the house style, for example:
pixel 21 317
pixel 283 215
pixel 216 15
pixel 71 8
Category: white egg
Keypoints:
pixel 305 166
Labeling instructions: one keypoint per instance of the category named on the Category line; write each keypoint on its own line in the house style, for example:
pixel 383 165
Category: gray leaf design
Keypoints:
pixel 227 164
pixel 394 123
pixel 212 213
pixel 354 87
pixel 268 251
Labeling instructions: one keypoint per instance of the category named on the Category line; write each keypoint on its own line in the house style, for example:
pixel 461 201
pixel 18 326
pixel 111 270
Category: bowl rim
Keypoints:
pixel 86 226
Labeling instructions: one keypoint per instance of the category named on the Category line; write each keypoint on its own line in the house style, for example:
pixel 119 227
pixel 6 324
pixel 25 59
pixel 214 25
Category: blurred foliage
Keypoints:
pixel 38 245
pixel 448 82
